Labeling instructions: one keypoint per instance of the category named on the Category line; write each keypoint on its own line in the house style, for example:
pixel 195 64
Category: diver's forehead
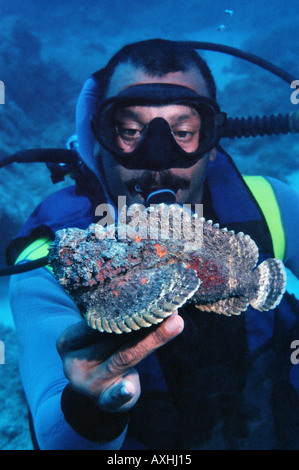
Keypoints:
pixel 127 74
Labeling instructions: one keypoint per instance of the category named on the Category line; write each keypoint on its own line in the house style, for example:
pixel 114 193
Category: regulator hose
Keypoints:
pixel 265 125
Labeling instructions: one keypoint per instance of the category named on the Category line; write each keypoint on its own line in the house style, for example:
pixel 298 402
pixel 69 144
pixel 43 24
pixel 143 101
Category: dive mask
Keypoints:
pixel 157 145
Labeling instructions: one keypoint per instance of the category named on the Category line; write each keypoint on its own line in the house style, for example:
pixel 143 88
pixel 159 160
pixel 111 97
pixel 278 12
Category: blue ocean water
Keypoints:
pixel 46 53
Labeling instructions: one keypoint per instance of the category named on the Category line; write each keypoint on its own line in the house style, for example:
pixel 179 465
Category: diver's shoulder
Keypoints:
pixel 282 188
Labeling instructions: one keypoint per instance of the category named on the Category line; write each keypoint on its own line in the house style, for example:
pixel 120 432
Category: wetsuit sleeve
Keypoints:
pixel 42 311
pixel 288 201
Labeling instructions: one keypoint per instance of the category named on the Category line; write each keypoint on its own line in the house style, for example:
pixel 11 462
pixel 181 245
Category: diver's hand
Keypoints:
pixel 101 365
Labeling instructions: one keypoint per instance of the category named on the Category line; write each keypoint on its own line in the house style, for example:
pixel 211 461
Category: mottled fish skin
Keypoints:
pixel 122 281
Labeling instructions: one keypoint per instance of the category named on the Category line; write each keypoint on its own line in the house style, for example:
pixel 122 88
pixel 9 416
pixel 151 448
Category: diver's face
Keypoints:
pixel 184 122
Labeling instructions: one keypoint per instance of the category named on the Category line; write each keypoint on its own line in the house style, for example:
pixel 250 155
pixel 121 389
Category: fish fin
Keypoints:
pixel 228 307
pixel 196 232
pixel 271 281
pixel 234 248
pixel 141 299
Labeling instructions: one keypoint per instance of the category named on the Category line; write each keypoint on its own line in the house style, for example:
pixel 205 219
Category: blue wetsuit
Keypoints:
pixel 42 310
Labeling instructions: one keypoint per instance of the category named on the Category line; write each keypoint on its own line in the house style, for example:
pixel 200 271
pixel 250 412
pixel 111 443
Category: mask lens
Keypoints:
pixel 182 122
pixel 185 124
pixel 128 130
pixel 123 129
pixel 187 130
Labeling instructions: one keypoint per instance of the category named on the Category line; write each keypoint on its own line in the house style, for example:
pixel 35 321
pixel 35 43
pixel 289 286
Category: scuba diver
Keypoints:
pixel 148 123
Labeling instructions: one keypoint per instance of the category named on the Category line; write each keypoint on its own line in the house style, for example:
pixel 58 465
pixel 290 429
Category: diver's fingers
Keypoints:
pixel 130 355
pixel 122 395
pixel 90 375
pixel 76 336
pixel 84 342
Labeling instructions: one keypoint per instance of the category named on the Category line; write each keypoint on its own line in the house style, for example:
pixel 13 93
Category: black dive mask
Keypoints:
pixel 157 146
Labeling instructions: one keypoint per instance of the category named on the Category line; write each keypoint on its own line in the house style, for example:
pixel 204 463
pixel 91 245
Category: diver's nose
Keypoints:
pixel 159 146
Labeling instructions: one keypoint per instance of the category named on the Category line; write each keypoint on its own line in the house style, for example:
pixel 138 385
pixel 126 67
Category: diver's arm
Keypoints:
pixel 88 412
pixel 42 311
pixel 288 200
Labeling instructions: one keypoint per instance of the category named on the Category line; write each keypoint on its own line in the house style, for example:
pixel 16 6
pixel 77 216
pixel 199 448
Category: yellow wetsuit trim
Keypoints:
pixel 37 249
pixel 266 199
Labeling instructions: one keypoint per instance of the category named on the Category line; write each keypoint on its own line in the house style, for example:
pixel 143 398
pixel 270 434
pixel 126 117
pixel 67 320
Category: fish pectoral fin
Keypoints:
pixel 174 285
pixel 142 298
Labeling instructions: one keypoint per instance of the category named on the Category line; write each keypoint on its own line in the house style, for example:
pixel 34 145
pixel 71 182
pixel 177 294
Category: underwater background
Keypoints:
pixel 48 49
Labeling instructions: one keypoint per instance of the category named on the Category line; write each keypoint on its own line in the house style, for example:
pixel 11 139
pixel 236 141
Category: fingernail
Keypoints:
pixel 174 324
pixel 125 391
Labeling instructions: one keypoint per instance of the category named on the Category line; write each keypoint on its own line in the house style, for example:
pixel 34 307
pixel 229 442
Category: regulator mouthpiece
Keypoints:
pixel 166 196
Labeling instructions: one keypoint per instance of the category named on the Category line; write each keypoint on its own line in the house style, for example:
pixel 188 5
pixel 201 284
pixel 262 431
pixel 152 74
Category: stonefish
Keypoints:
pixel 134 274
